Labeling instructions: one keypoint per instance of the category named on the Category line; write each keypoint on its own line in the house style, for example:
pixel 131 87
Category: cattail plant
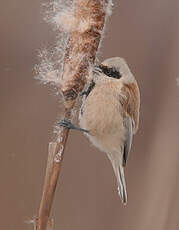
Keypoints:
pixel 80 25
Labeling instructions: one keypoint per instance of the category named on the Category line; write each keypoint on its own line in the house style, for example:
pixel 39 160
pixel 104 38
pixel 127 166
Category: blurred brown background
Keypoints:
pixel 146 34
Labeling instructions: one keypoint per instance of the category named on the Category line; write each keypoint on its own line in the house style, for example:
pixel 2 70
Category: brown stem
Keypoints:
pixel 84 43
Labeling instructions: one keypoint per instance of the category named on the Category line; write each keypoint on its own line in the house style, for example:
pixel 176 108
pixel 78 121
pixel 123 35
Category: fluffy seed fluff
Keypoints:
pixel 49 69
pixel 32 222
pixel 67 21
pixel 62 15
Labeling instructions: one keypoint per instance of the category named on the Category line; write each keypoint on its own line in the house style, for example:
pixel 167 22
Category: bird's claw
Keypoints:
pixel 83 93
pixel 66 123
pixel 97 70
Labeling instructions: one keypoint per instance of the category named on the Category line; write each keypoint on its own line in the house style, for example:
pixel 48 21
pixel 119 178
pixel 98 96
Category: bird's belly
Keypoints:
pixel 102 117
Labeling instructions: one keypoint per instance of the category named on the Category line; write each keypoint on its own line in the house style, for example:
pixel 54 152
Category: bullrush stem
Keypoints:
pixel 84 43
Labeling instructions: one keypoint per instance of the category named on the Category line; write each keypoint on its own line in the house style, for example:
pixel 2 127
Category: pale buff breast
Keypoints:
pixel 102 116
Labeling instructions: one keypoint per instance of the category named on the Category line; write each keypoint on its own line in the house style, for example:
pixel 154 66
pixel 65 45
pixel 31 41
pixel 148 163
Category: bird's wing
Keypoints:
pixel 128 124
pixel 130 101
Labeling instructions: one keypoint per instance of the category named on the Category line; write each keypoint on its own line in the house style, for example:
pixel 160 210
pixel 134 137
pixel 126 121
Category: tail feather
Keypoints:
pixel 119 173
pixel 121 184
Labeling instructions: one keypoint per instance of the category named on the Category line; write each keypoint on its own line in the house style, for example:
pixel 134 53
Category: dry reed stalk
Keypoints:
pixel 83 42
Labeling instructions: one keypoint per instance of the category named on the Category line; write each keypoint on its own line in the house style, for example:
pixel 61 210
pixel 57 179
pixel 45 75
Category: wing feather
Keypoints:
pixel 128 140
pixel 130 101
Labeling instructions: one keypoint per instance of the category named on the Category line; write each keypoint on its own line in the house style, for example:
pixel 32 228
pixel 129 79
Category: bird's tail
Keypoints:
pixel 119 173
pixel 121 184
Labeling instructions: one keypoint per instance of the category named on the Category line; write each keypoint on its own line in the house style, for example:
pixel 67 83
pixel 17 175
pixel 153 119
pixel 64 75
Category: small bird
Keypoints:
pixel 109 114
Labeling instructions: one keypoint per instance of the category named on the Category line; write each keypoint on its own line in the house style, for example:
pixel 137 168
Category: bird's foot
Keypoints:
pixel 97 70
pixel 67 124
pixel 83 93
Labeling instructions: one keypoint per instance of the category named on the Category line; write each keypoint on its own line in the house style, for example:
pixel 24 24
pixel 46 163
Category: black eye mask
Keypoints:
pixel 110 72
